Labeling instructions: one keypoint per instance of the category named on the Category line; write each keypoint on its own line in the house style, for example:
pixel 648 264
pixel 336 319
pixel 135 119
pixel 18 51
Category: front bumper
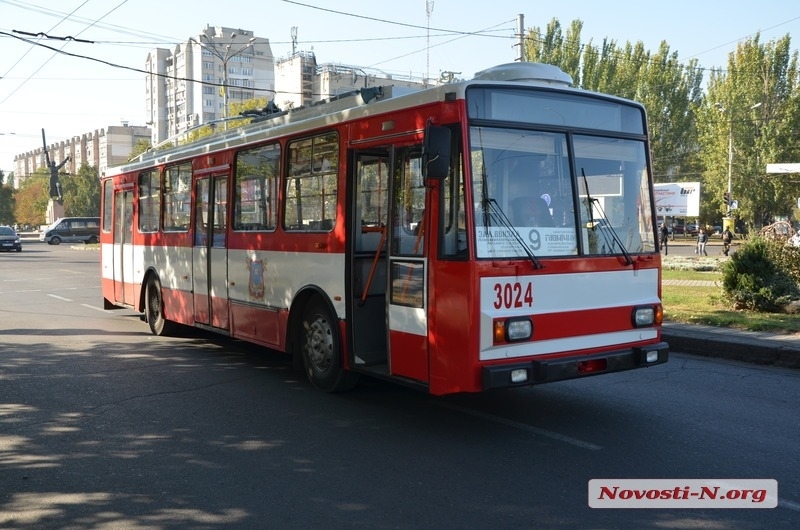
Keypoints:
pixel 561 369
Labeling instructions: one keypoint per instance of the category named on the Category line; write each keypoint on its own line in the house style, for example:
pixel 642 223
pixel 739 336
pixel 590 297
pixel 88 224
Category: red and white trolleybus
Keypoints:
pixel 488 233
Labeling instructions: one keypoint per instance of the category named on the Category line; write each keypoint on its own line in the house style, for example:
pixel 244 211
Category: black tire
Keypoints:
pixel 55 241
pixel 154 309
pixel 321 349
pixel 93 240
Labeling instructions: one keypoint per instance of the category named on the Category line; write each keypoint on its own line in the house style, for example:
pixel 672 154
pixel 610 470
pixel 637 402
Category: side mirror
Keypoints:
pixel 436 152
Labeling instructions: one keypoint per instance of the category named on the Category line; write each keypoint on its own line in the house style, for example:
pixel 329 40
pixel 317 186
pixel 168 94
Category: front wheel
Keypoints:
pixel 154 309
pixel 322 351
pixel 55 241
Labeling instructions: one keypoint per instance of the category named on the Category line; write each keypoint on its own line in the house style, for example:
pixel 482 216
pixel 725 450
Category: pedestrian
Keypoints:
pixel 727 238
pixel 664 235
pixel 702 239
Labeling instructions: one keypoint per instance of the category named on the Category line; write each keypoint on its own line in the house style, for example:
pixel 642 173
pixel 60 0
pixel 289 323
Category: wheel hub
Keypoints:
pixel 319 345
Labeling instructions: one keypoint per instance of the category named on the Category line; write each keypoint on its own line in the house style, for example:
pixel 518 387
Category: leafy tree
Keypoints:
pixel 141 146
pixel 6 202
pixel 754 105
pixel 238 108
pixel 7 205
pixel 82 193
pixel 32 197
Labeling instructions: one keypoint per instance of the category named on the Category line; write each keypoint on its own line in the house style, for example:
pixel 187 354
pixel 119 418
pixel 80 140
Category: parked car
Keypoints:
pixel 9 240
pixel 692 230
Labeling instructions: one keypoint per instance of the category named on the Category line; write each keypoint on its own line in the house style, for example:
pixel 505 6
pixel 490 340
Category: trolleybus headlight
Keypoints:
pixel 518 329
pixel 643 316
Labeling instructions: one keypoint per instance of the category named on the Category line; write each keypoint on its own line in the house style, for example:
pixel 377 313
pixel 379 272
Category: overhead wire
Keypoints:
pixel 59 50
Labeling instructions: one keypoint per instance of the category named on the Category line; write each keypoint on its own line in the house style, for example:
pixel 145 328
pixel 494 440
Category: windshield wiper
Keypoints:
pixel 615 239
pixel 492 211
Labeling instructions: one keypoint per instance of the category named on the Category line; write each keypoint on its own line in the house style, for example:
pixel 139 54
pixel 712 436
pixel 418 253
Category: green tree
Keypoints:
pixel 32 197
pixel 754 105
pixel 82 193
pixel 6 202
pixel 141 146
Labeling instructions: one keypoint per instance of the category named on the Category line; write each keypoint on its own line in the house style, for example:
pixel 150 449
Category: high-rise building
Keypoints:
pixel 191 84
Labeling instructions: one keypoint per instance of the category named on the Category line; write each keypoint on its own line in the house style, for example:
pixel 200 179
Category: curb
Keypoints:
pixel 746 346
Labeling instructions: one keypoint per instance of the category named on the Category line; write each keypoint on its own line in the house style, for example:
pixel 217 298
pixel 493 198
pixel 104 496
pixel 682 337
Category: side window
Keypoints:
pixel 149 202
pixel 373 189
pixel 311 184
pixel 177 198
pixel 408 204
pixel 256 188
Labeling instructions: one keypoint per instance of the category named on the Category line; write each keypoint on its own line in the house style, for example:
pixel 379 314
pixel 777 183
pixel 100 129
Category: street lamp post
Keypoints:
pixel 208 45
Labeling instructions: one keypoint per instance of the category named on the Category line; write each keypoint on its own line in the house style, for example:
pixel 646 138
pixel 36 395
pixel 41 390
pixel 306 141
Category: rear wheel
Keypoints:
pixel 322 351
pixel 93 240
pixel 154 309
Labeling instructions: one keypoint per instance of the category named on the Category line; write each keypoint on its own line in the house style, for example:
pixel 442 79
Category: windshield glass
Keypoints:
pixel 527 188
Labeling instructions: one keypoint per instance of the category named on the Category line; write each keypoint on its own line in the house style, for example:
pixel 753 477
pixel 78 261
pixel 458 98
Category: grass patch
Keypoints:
pixel 706 305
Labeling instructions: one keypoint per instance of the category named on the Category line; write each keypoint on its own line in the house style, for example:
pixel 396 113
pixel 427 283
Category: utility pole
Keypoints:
pixel 428 11
pixel 520 37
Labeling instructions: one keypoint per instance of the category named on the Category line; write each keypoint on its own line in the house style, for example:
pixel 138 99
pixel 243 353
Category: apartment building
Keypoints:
pixel 191 84
pixel 102 148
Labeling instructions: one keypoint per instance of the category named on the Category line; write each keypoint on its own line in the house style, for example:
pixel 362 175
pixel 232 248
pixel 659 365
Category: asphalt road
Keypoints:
pixel 105 426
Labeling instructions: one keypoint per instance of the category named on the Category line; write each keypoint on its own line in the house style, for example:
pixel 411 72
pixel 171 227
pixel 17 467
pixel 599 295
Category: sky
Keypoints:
pixel 69 96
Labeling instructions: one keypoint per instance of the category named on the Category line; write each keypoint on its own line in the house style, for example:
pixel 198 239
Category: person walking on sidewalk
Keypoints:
pixel 702 239
pixel 664 235
pixel 727 238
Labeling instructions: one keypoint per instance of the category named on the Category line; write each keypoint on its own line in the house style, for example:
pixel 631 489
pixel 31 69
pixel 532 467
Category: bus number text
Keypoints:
pixel 513 295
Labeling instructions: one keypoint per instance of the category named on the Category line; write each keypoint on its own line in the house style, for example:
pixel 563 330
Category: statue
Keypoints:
pixel 55 183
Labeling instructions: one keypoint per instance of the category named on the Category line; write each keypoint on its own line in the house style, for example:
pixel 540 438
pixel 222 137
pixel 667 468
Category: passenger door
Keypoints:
pixel 406 300
pixel 209 253
pixel 123 247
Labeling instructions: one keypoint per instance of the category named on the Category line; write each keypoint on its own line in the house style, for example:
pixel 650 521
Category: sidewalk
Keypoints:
pixel 748 346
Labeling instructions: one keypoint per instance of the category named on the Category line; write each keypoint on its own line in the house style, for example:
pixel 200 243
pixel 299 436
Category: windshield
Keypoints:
pixel 561 195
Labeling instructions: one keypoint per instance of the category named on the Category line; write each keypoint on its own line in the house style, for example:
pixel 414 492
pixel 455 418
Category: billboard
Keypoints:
pixel 677 199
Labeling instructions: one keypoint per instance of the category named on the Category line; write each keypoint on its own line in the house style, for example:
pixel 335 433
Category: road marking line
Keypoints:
pixel 94 307
pixel 59 297
pixel 528 428
pixel 783 503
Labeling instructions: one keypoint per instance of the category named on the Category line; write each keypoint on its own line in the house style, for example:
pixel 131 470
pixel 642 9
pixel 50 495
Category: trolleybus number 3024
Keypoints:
pixel 511 295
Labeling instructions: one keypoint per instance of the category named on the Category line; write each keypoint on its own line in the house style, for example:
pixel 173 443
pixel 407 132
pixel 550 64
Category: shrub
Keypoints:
pixel 752 278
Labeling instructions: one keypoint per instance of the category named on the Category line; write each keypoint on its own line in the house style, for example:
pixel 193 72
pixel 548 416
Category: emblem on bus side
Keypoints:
pixel 256 284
